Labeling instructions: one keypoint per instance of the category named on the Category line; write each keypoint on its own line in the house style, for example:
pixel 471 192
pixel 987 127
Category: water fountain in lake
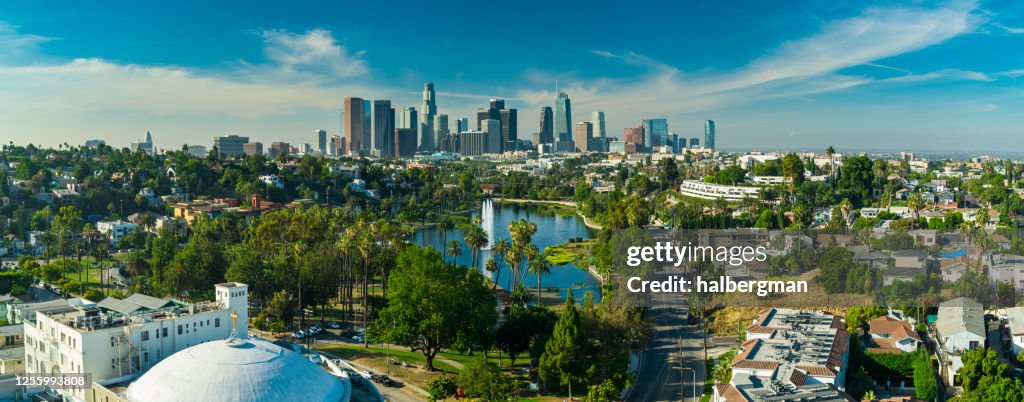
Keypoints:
pixel 487 221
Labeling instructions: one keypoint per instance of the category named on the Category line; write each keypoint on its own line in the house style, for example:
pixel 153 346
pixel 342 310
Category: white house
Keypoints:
pixel 960 327
pixel 115 230
pixel 272 180
pixel 709 191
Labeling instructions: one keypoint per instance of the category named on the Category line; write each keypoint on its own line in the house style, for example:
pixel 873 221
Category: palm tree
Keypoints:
pixel 476 238
pixel 982 217
pixel 444 226
pixel 501 247
pixel 539 265
pixel 492 266
pixel 869 396
pixel 454 250
pixel 847 208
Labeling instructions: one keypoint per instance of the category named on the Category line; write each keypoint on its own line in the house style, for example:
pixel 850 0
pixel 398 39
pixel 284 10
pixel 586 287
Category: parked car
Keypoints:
pixel 299 334
pixel 334 325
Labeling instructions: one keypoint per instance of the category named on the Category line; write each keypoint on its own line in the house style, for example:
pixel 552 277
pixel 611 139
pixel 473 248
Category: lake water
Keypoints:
pixel 552 230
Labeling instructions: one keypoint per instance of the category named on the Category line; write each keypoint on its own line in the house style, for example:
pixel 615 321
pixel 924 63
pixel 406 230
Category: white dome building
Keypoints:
pixel 237 370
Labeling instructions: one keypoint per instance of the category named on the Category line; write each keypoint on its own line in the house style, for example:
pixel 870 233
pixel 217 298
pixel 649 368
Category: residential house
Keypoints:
pixel 959 327
pixel 1007 268
pixel 115 230
pixel 1015 323
pixel 888 334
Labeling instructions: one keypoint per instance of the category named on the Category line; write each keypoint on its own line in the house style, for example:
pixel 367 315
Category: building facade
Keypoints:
pixel 230 145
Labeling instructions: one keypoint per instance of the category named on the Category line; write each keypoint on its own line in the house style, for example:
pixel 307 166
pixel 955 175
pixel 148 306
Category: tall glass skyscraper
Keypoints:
pixel 597 120
pixel 655 133
pixel 427 113
pixel 546 134
pixel 408 119
pixel 709 134
pixel 383 128
pixel 563 118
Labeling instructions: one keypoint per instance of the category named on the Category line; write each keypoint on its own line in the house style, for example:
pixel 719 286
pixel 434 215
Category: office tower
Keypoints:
pixel 405 142
pixel 507 117
pixel 383 128
pixel 493 128
pixel 230 145
pixel 584 130
pixel 462 125
pixel 655 133
pixel 597 120
pixel 440 128
pixel 634 135
pixel 547 124
pixel 694 142
pixel 673 142
pixel 427 113
pixel 320 138
pixel 408 119
pixel 337 145
pixel 354 125
pixel 94 143
pixel 472 143
pixel 709 134
pixel 278 148
pixel 598 144
pixel 252 148
pixel 563 118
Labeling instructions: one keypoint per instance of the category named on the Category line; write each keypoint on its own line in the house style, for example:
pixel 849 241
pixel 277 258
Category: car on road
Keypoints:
pixel 367 374
pixel 334 325
pixel 357 338
pixel 299 334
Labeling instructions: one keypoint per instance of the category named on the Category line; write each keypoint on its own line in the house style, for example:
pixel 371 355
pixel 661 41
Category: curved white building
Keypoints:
pixel 237 370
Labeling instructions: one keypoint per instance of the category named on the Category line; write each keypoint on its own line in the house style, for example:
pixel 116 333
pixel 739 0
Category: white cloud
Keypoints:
pixel 316 51
pixel 14 45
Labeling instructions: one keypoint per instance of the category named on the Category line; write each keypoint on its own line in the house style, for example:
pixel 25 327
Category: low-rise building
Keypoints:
pixel 118 337
pixel 115 230
pixel 790 355
pixel 888 334
pixel 709 191
pixel 1015 323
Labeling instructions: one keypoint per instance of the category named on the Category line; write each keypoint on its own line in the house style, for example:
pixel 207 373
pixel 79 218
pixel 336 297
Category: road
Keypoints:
pixel 660 377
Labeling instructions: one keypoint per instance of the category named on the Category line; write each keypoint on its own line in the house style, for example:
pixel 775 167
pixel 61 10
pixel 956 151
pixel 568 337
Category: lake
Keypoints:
pixel 552 230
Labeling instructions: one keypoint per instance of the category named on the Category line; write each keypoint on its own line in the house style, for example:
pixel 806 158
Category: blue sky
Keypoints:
pixel 798 74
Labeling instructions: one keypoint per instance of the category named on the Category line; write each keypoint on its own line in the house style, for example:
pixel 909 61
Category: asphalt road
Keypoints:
pixel 660 377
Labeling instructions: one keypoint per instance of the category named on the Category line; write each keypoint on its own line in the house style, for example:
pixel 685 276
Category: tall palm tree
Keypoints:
pixel 454 250
pixel 847 208
pixel 445 225
pixel 501 247
pixel 476 238
pixel 538 265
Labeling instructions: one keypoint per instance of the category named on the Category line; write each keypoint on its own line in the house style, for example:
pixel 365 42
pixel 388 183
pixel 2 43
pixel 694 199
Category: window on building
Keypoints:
pixel 216 322
pixel 145 356
pixel 179 329
pixel 145 335
pixel 165 332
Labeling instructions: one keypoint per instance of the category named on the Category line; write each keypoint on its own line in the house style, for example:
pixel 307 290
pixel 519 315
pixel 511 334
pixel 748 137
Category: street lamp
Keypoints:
pixel 693 384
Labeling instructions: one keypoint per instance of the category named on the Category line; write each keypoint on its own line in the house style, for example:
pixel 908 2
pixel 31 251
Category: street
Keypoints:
pixel 661 378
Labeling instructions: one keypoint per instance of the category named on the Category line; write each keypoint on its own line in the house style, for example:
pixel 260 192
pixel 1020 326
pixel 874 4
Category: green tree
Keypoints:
pixel 562 362
pixel 433 305
pixel 442 387
pixel 981 369
pixel 925 385
pixel 480 379
pixel 603 392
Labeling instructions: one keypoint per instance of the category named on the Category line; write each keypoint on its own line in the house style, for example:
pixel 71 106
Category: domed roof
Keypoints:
pixel 236 370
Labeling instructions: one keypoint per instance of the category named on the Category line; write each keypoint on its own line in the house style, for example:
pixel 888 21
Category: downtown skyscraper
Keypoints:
pixel 655 133
pixel 546 133
pixel 709 134
pixel 563 123
pixel 428 137
pixel 320 139
pixel 597 121
pixel 357 125
pixel 383 128
pixel 507 117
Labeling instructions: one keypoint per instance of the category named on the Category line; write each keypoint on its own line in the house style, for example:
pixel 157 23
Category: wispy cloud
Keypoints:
pixel 1009 29
pixel 14 45
pixel 314 51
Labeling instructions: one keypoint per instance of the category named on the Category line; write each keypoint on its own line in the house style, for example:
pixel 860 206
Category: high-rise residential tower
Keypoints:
pixel 709 134
pixel 320 138
pixel 427 113
pixel 597 120
pixel 383 128
pixel 563 118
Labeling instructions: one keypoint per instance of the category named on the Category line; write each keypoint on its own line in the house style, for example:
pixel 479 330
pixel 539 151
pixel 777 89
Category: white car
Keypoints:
pixel 367 374
pixel 299 334
pixel 334 325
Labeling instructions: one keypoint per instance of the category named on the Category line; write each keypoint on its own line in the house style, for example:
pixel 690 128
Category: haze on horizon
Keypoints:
pixel 802 75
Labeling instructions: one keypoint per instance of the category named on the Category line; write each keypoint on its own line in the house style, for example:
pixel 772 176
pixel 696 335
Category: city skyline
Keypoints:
pixel 854 75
